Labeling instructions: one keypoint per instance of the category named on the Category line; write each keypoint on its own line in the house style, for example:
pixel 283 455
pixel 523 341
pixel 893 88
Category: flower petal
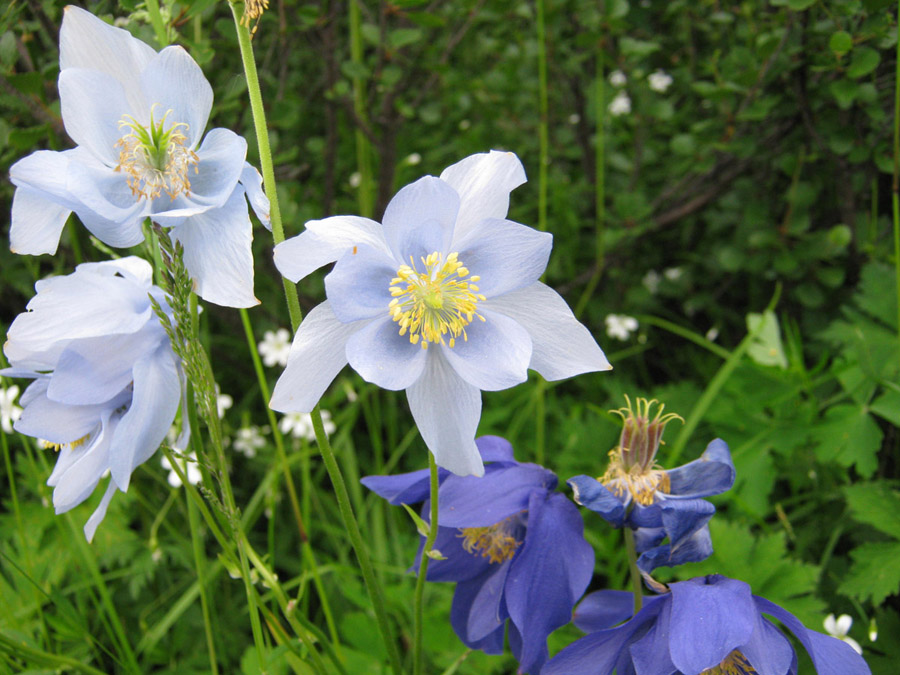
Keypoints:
pixel 404 488
pixel 88 42
pixel 768 650
pixel 710 617
pixel 92 102
pixel 217 253
pixel 591 493
pixel 478 608
pixel 711 474
pixel 251 179
pixel 494 355
pixel 427 202
pixel 561 346
pixel 53 421
pixel 382 356
pixel 829 655
pixel 446 409
pixel 154 402
pixel 650 653
pixel 359 285
pixel 37 222
pixel 459 564
pixel 483 182
pixel 90 527
pixel 175 82
pixel 495 449
pixel 317 355
pixel 78 470
pixel 506 255
pixel 548 575
pixel 604 609
pixel 696 547
pixel 323 242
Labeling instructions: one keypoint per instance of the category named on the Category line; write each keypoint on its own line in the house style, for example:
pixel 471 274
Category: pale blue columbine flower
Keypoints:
pixel 106 382
pixel 138 118
pixel 514 546
pixel 665 508
pixel 708 625
pixel 442 300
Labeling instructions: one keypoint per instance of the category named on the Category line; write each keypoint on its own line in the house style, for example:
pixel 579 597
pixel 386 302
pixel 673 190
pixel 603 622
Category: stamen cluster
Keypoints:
pixel 155 159
pixel 496 542
pixel 436 303
pixel 733 664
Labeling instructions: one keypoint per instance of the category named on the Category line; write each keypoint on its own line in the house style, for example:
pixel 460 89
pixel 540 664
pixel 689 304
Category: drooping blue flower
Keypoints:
pixel 665 508
pixel 106 383
pixel 514 547
pixel 442 300
pixel 711 625
pixel 138 118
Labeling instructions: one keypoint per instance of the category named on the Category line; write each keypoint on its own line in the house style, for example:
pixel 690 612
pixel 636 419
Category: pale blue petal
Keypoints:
pixel 561 346
pixel 79 470
pixel 251 179
pixel 359 285
pixel 416 244
pixel 506 255
pixel 154 402
pixel 90 527
pixel 37 222
pixel 446 409
pixel 323 242
pixel 217 253
pixel 495 354
pixel 483 182
pixel 711 616
pixel 92 104
pixel 382 356
pixel 428 200
pixel 317 355
pixel 58 422
pixel 175 82
pixel 88 42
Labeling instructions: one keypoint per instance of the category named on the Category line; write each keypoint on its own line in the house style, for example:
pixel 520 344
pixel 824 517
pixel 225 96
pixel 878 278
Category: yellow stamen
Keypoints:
pixel 495 542
pixel 155 159
pixel 56 447
pixel 436 303
pixel 734 664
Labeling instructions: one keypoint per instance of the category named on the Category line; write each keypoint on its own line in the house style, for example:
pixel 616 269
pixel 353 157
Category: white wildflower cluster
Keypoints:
pixel 620 326
pixel 275 347
pixel 299 425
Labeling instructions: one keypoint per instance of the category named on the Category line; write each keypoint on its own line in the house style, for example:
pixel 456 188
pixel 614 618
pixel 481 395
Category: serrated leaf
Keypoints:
pixel 888 406
pixel 849 436
pixel 877 293
pixel 766 348
pixel 876 504
pixel 875 573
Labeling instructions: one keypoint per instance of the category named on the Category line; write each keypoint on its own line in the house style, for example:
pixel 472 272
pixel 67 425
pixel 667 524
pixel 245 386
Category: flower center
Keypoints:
pixel 734 664
pixel 56 447
pixel 436 303
pixel 496 542
pixel 154 159
pixel 643 484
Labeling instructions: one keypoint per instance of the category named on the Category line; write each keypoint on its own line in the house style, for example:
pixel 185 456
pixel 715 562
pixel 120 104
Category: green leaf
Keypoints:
pixel 877 293
pixel 875 572
pixel 683 144
pixel 876 504
pixel 800 5
pixel 888 406
pixel 844 92
pixel 639 48
pixel 865 60
pixel 404 36
pixel 766 348
pixel 840 43
pixel 354 70
pixel 849 436
pixel 421 526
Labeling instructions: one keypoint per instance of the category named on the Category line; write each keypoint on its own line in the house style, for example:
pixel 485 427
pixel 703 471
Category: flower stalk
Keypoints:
pixel 418 653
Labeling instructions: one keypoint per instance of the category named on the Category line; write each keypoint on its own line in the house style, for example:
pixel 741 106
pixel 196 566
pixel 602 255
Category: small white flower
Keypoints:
pixel 620 326
pixel 188 467
pixel 9 411
pixel 464 124
pixel 712 334
pixel 574 119
pixel 355 179
pixel 223 402
pixel 248 440
pixel 839 628
pixel 620 105
pixel 651 281
pixel 299 425
pixel 413 159
pixel 672 273
pixel 275 347
pixel 659 80
pixel 617 78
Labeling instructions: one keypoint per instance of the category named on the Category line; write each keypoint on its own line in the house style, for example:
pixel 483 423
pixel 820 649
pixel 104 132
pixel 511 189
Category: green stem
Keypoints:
pixel 895 192
pixel 636 584
pixel 200 563
pixel 362 555
pixel 289 480
pixel 18 647
pixel 363 148
pixel 159 27
pixel 419 617
pixel 543 128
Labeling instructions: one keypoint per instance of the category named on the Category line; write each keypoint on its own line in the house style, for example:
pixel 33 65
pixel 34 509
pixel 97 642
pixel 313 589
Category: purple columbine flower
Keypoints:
pixel 514 547
pixel 658 504
pixel 711 625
